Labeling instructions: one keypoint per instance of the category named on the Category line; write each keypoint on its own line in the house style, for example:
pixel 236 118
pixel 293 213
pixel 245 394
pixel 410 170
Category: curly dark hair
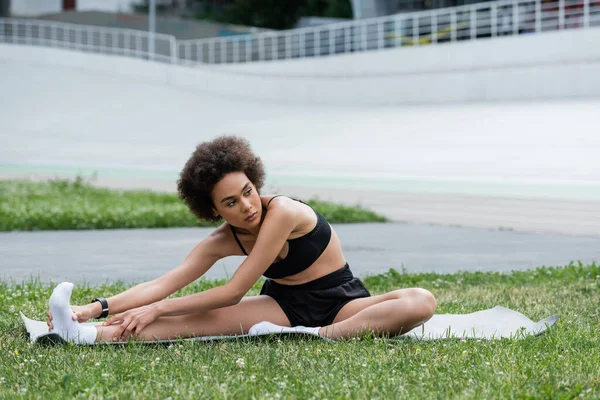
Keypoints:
pixel 209 163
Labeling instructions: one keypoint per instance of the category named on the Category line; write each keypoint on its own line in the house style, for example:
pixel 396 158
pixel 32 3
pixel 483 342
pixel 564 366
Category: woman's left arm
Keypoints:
pixel 276 229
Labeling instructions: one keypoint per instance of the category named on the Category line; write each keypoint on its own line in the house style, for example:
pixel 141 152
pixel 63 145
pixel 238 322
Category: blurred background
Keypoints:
pixel 434 113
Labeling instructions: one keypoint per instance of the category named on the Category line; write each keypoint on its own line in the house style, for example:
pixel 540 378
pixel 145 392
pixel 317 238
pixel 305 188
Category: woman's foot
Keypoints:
pixel 62 317
pixel 266 327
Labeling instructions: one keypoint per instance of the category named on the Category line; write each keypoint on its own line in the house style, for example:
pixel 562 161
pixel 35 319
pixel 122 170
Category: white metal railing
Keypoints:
pixel 126 42
pixel 471 22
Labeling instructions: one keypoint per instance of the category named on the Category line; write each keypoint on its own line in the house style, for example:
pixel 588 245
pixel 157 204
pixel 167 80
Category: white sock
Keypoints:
pixel 62 317
pixel 266 327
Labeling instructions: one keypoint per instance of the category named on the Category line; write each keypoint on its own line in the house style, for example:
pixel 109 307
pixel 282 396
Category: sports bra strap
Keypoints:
pixel 281 195
pixel 233 230
pixel 237 240
pixel 277 195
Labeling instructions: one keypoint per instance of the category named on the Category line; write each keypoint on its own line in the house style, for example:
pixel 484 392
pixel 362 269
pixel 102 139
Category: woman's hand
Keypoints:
pixel 133 321
pixel 80 314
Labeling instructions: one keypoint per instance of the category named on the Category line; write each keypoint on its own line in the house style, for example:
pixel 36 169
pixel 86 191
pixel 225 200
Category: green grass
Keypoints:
pixel 563 363
pixel 63 204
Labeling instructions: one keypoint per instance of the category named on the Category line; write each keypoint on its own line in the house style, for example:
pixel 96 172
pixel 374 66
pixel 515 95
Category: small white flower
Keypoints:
pixel 157 358
pixel 97 364
pixel 487 363
pixel 240 363
pixel 423 365
pixel 364 365
pixel 252 378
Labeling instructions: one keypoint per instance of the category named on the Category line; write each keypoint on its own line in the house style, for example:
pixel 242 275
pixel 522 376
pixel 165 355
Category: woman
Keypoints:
pixel 309 282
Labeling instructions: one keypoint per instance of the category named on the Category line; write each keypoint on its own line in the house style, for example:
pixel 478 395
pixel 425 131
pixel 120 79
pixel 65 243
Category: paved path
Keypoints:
pixel 531 215
pixel 137 255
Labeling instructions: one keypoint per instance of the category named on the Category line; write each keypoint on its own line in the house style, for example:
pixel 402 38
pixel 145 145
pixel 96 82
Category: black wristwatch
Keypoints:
pixel 104 304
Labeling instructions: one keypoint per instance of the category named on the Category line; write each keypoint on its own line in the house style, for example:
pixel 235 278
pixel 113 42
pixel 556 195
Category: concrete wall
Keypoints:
pixel 114 115
pixel 555 65
pixel 558 65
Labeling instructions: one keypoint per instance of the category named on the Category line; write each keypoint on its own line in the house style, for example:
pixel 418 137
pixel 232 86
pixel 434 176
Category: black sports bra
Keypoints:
pixel 302 251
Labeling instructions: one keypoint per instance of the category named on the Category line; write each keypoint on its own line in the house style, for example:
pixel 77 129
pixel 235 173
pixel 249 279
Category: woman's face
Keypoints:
pixel 235 198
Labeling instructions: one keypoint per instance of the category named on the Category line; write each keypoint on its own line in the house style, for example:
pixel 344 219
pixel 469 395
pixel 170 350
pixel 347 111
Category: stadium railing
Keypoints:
pixel 471 22
pixel 431 27
pixel 126 42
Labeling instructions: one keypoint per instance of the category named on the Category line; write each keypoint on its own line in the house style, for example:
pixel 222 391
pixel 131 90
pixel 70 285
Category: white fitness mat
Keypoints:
pixel 494 323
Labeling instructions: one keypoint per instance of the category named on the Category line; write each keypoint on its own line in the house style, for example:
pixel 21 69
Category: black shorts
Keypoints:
pixel 316 303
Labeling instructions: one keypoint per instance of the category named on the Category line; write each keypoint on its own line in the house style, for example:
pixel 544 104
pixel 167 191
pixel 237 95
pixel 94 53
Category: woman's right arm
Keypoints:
pixel 200 259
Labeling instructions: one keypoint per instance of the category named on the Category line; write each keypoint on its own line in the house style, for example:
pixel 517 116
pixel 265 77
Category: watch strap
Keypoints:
pixel 104 304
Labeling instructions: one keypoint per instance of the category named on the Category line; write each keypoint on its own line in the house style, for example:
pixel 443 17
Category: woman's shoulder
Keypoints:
pixel 303 215
pixel 268 198
pixel 283 206
pixel 277 200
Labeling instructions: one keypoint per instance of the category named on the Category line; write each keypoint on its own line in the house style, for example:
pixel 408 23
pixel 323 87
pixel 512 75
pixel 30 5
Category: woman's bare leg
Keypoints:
pixel 391 314
pixel 233 320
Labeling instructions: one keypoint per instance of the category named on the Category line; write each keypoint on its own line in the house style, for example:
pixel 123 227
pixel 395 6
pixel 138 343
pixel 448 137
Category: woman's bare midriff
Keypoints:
pixel 331 260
